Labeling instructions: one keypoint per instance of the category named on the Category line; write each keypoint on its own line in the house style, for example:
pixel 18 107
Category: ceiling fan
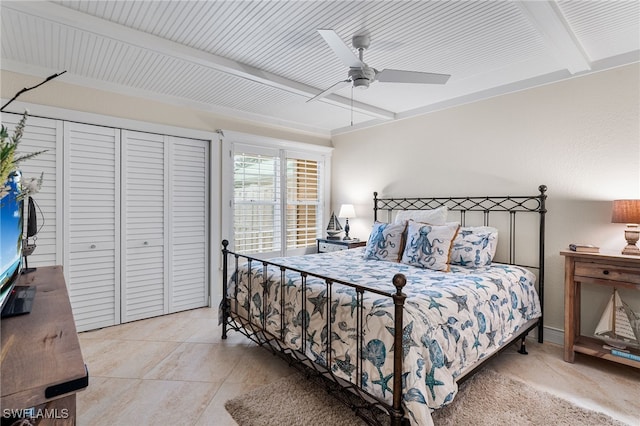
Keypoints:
pixel 361 74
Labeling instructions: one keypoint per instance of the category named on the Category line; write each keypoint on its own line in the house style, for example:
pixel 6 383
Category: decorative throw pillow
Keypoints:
pixel 434 217
pixel 429 246
pixel 474 246
pixel 386 241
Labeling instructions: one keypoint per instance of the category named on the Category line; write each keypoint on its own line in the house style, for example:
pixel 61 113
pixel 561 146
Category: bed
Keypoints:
pixel 456 293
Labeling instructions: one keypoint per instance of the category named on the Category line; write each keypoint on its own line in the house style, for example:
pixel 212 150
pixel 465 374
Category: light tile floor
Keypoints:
pixel 177 370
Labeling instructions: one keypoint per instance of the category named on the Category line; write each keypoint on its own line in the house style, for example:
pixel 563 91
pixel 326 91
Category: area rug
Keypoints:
pixel 488 398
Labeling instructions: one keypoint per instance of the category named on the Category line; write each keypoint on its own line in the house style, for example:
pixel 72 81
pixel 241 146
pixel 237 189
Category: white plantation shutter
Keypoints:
pixel 257 209
pixel 92 223
pixel 277 200
pixel 42 134
pixel 189 224
pixel 303 202
pixel 144 259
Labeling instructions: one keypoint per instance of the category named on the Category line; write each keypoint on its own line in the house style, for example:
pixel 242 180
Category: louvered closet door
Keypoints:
pixel 92 223
pixel 144 237
pixel 189 216
pixel 43 134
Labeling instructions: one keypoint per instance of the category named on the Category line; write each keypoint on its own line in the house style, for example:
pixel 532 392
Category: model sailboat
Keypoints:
pixel 334 228
pixel 619 326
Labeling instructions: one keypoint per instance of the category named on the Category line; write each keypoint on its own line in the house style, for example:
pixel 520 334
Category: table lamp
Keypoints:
pixel 347 211
pixel 628 211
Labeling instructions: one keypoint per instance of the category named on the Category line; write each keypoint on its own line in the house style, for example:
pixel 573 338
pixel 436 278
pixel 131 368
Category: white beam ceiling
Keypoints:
pixel 103 28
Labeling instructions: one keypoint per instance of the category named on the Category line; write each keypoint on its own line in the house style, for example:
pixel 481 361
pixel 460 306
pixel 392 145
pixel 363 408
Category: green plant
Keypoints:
pixel 9 160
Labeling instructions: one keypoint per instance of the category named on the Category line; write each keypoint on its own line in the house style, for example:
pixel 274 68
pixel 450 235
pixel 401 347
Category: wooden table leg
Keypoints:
pixel 571 310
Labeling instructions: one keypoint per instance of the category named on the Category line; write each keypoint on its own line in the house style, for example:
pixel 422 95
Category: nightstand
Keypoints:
pixel 326 245
pixel 600 269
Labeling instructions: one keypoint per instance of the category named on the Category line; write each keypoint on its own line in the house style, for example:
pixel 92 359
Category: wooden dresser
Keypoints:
pixel 42 365
pixel 600 269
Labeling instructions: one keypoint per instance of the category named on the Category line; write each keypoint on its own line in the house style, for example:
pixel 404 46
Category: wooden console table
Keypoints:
pixel 601 269
pixel 42 365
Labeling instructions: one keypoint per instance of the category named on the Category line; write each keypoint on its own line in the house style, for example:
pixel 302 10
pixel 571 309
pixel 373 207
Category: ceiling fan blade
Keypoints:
pixel 339 85
pixel 399 76
pixel 341 50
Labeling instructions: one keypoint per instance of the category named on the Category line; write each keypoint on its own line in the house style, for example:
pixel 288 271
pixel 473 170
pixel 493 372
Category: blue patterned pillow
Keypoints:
pixel 474 246
pixel 429 246
pixel 386 241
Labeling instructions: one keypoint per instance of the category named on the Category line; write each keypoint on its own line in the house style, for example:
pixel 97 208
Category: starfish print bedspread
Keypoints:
pixel 451 319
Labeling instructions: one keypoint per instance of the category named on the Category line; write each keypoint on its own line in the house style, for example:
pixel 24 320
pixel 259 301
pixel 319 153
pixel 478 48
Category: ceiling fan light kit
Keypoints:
pixel 362 75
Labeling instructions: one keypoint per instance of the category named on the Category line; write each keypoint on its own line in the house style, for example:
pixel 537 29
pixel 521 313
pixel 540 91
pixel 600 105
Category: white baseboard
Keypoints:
pixel 553 335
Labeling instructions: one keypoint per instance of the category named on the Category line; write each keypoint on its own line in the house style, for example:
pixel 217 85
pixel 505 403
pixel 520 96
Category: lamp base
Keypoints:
pixel 631 234
pixel 346 231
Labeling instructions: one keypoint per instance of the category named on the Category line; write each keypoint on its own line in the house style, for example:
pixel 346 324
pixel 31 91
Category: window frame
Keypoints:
pixel 274 202
pixel 301 203
pixel 233 142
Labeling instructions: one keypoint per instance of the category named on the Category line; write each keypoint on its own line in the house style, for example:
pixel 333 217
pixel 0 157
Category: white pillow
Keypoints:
pixel 434 217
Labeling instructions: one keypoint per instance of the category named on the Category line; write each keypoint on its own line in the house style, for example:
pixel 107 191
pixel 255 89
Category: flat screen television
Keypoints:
pixel 10 237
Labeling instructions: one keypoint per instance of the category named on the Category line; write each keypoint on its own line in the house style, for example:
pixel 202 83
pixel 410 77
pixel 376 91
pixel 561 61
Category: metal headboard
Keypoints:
pixel 511 204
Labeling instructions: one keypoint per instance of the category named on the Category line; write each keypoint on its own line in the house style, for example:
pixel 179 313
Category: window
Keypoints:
pixel 303 203
pixel 277 200
pixel 256 190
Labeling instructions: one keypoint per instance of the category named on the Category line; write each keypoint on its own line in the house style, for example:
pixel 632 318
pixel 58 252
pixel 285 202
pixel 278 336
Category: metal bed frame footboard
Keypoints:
pixel 365 405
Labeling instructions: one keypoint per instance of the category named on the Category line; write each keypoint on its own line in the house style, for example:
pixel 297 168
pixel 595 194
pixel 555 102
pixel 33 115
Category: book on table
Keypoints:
pixel 584 248
pixel 625 354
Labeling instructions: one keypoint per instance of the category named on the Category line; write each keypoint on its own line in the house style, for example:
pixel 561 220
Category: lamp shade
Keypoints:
pixel 347 210
pixel 626 211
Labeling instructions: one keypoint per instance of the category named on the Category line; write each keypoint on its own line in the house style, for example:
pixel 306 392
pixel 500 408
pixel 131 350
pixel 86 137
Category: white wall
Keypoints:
pixel 57 93
pixel 580 137
pixel 88 105
pixel 58 99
